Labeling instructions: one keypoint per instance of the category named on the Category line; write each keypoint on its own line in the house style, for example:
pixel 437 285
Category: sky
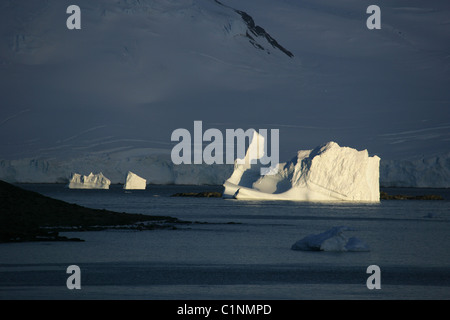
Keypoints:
pixel 138 70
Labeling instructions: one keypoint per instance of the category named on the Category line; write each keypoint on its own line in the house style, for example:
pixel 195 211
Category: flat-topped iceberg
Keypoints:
pixel 134 182
pixel 326 173
pixel 92 181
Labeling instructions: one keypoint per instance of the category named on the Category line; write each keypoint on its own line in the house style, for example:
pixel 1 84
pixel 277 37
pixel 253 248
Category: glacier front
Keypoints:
pixel 91 181
pixel 326 173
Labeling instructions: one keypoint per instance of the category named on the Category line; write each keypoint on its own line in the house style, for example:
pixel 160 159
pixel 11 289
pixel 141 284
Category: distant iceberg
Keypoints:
pixel 134 182
pixel 92 181
pixel 333 239
pixel 326 173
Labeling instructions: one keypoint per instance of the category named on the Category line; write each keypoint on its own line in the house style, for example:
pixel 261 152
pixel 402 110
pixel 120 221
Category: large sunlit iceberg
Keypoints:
pixel 326 173
pixel 134 182
pixel 91 181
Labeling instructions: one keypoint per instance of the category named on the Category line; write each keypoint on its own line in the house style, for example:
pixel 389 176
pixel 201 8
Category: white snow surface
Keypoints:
pixel 333 239
pixel 69 100
pixel 139 69
pixel 428 172
pixel 91 181
pixel 134 182
pixel 326 173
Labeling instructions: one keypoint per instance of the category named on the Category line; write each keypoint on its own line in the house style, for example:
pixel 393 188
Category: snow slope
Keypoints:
pixel 139 69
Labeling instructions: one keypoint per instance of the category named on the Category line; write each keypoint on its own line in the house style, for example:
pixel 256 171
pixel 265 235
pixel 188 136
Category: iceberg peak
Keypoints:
pixel 91 181
pixel 326 173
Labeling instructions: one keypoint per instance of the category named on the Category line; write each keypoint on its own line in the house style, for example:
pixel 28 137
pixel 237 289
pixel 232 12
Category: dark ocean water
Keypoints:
pixel 243 251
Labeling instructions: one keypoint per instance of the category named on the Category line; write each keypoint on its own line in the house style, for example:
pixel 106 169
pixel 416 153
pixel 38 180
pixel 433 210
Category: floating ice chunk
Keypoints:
pixel 92 181
pixel 326 173
pixel 356 244
pixel 333 239
pixel 134 182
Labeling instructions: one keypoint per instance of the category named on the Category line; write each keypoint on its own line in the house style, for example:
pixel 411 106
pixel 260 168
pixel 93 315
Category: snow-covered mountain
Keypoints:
pixel 158 168
pixel 110 94
pixel 136 71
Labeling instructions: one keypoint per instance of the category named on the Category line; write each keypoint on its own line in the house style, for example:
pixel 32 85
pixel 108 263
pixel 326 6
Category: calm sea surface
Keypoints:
pixel 242 252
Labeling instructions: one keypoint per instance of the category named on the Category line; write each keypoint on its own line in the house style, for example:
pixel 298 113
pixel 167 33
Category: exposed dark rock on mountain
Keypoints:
pixel 254 32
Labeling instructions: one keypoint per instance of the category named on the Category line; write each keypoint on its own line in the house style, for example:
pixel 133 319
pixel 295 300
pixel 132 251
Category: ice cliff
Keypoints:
pixel 134 182
pixel 326 173
pixel 430 172
pixel 156 168
pixel 427 172
pixel 92 181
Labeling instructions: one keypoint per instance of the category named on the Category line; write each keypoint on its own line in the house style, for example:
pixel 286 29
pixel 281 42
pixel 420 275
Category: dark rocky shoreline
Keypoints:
pixel 29 216
pixel 205 194
pixel 386 196
pixel 383 196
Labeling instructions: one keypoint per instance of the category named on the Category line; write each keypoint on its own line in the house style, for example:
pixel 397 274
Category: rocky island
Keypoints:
pixel 29 216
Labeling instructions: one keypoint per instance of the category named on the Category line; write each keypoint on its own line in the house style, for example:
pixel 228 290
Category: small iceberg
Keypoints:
pixel 134 182
pixel 92 181
pixel 327 173
pixel 333 239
